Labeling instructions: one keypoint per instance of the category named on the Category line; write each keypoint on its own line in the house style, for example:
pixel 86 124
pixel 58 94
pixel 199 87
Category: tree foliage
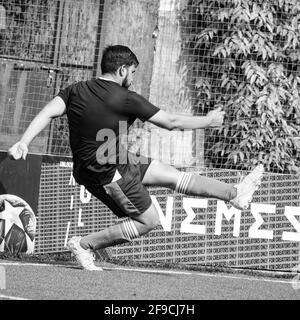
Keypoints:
pixel 244 55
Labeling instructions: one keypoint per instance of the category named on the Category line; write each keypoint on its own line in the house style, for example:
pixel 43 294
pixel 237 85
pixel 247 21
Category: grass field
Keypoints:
pixel 57 277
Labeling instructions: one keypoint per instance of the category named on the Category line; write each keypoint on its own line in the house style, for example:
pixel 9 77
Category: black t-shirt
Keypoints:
pixel 95 108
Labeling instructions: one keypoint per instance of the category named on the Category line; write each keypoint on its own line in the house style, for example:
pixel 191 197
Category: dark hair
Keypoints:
pixel 116 56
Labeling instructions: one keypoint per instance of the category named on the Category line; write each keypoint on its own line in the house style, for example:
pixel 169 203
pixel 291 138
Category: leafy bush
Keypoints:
pixel 244 55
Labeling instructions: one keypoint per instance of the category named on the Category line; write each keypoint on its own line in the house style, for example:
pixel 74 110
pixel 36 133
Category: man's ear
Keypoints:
pixel 122 70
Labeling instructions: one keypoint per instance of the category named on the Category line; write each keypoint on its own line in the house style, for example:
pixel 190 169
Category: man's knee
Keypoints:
pixel 153 222
pixel 150 218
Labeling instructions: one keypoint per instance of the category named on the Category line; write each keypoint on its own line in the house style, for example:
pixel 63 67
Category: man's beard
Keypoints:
pixel 125 83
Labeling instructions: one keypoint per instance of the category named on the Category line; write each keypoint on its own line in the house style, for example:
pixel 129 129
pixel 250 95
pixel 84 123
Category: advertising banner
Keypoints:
pixel 193 230
pixel 19 194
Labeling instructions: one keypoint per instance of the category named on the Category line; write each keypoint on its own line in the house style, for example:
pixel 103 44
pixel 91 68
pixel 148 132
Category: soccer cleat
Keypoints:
pixel 84 257
pixel 247 187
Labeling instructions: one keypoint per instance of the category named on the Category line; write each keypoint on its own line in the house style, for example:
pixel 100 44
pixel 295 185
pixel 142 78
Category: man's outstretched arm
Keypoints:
pixel 172 121
pixel 55 108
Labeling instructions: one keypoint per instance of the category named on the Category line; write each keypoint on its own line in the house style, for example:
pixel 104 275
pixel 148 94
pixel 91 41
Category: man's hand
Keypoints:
pixel 216 117
pixel 18 150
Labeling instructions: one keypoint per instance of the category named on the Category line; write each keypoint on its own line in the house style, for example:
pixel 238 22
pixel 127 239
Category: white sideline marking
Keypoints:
pixel 154 272
pixel 11 297
pixel 201 274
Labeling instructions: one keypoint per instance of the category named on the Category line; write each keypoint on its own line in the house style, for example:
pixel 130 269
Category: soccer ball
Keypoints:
pixel 17 225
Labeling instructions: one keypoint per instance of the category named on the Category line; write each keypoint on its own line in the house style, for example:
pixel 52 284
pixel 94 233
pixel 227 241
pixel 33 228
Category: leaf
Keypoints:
pixel 235 158
pixel 242 156
pixel 253 79
pixel 264 53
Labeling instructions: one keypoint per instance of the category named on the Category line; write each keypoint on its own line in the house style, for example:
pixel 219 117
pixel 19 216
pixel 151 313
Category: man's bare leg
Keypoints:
pixel 240 195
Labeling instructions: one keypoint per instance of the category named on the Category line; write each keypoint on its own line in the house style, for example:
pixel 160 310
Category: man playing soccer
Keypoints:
pixel 95 109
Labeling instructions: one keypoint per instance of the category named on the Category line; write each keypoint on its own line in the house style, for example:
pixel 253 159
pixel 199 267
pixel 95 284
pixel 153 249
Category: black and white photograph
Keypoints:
pixel 149 153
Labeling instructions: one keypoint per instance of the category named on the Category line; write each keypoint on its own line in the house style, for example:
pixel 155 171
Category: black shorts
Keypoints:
pixel 126 196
